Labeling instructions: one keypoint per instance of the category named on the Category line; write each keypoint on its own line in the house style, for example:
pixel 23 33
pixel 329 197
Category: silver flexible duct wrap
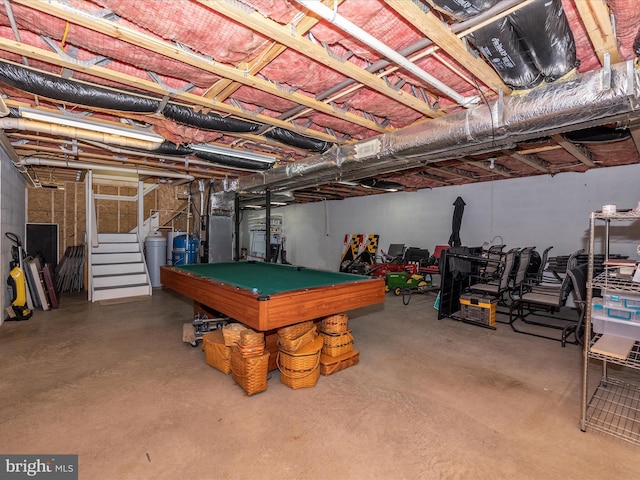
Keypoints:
pixel 222 203
pixel 570 104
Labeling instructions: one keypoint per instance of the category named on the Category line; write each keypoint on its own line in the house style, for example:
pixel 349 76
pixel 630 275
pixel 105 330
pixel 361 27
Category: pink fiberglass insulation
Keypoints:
pixel 100 44
pixel 193 25
pixel 627 20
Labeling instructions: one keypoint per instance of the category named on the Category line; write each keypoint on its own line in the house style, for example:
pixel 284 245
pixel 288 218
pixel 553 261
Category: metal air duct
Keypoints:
pixel 581 101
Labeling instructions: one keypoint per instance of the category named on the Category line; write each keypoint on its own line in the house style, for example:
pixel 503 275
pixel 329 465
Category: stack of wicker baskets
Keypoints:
pixel 337 349
pixel 251 343
pixel 250 372
pixel 249 362
pixel 299 355
pixel 231 333
pixel 216 353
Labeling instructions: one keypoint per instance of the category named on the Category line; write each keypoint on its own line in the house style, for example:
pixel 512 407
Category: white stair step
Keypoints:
pixel 117 237
pixel 103 258
pixel 106 293
pixel 116 247
pixel 117 268
pixel 100 281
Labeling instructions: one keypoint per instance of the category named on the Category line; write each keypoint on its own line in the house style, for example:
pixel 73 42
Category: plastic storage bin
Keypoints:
pixel 622 322
pixel 621 299
pixel 619 313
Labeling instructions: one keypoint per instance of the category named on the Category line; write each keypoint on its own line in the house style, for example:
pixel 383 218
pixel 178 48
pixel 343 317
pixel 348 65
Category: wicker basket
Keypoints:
pixel 216 353
pixel 335 323
pixel 251 350
pixel 292 340
pixel 251 337
pixel 335 344
pixel 300 369
pixel 231 333
pixel 249 372
pixel 294 331
pixel 330 365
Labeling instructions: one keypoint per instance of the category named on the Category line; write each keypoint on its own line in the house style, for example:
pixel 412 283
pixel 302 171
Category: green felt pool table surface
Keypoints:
pixel 269 278
pixel 285 295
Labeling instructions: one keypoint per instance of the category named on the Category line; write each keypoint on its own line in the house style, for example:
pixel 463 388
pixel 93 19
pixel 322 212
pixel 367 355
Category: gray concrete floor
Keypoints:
pixel 429 399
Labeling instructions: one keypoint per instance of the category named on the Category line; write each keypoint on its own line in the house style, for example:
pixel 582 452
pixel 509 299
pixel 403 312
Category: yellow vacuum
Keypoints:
pixel 18 309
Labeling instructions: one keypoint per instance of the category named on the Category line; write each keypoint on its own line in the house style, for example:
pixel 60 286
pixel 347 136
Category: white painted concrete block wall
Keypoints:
pixel 12 218
pixel 540 211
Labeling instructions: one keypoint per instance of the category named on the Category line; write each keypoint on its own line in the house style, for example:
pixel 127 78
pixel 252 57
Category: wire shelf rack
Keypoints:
pixel 610 279
pixel 633 360
pixel 615 409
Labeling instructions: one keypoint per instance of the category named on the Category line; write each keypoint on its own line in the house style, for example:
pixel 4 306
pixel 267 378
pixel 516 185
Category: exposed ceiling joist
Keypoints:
pixel 531 160
pixel 153 44
pixel 597 21
pixel 578 152
pixel 442 36
pixel 224 88
pixel 292 39
pixel 152 87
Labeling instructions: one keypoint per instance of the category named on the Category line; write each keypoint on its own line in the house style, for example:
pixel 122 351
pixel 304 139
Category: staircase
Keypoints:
pixel 118 269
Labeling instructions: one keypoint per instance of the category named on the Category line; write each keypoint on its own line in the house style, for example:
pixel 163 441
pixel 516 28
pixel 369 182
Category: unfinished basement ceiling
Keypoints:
pixel 343 98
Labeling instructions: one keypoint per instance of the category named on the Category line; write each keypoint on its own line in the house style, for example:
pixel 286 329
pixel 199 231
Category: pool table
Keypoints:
pixel 266 296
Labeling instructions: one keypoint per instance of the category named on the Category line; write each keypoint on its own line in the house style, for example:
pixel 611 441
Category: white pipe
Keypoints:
pixel 109 168
pixel 53 129
pixel 352 29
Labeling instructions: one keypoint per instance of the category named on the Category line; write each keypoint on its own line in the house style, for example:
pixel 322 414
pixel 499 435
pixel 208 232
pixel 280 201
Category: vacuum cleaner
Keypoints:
pixel 16 282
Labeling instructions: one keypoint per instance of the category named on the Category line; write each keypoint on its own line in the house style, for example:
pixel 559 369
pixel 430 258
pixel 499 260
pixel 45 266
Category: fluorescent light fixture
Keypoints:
pixel 42 116
pixel 232 152
pixel 273 204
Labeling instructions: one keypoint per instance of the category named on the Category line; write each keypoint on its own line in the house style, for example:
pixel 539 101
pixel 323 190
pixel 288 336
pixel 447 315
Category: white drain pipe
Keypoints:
pixel 388 52
pixel 109 168
pixel 79 133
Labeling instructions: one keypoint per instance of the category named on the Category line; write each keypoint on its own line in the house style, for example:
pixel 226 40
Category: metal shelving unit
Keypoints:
pixel 614 407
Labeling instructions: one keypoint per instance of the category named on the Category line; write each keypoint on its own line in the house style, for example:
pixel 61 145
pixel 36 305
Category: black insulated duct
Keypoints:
pixel 380 184
pixel 72 91
pixel 597 135
pixel 297 140
pixel 209 121
pixel 170 148
pixel 464 9
pixel 544 29
pixel 532 44
pixel 499 44
pixel 78 93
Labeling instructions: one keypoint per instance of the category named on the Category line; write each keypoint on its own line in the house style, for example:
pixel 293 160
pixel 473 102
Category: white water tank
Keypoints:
pixel 155 246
